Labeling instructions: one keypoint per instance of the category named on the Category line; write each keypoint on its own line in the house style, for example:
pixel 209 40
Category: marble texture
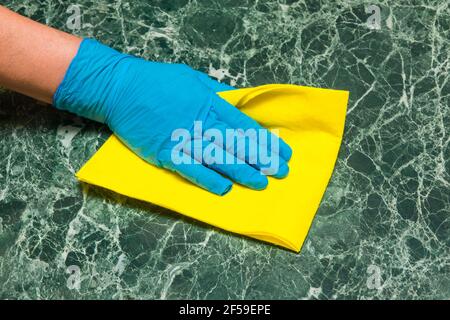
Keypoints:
pixel 383 229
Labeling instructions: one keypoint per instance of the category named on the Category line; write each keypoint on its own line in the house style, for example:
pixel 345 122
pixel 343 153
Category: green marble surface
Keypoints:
pixel 383 228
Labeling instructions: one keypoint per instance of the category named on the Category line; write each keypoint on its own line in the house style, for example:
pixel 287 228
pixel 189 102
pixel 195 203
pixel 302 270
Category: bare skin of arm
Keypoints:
pixel 33 57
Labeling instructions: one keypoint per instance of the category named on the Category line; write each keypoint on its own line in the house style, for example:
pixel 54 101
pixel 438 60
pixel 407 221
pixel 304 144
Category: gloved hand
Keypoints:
pixel 144 103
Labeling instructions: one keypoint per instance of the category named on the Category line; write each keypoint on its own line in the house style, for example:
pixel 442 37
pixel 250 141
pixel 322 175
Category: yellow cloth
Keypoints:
pixel 310 120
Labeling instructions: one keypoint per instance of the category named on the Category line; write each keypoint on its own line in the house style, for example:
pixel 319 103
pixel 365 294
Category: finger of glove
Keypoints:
pixel 215 157
pixel 246 146
pixel 237 119
pixel 197 173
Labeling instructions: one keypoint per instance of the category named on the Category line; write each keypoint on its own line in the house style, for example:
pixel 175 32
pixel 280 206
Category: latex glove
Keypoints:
pixel 145 102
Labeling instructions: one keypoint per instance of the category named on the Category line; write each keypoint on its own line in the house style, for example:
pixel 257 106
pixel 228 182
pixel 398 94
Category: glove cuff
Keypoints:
pixel 87 80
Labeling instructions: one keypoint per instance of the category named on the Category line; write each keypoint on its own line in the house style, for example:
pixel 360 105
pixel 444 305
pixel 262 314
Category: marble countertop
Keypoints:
pixel 383 228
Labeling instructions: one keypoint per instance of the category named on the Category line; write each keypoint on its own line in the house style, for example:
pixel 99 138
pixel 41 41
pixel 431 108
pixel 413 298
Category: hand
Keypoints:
pixel 146 103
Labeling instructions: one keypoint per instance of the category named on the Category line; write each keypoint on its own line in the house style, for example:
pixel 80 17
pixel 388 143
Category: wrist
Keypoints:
pixel 33 56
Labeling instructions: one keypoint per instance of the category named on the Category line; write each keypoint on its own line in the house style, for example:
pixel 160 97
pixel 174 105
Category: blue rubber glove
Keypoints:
pixel 144 102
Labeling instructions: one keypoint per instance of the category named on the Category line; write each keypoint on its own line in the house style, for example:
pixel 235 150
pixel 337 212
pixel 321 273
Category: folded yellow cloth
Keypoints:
pixel 310 120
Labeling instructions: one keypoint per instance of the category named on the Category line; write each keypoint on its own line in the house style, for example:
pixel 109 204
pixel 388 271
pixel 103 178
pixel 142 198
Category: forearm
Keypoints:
pixel 33 57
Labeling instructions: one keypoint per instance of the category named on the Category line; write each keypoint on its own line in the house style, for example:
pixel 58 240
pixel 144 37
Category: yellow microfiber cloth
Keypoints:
pixel 310 120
